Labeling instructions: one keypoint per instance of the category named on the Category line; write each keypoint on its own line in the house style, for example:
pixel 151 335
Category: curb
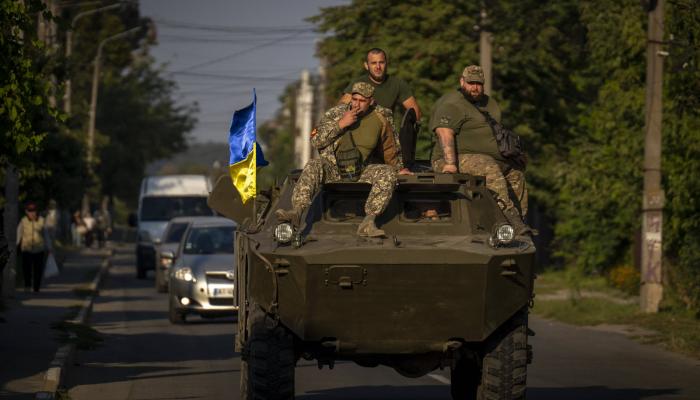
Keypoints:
pixel 65 354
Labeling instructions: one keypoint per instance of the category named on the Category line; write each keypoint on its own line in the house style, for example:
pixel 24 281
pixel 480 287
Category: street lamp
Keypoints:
pixel 95 83
pixel 69 48
pixel 93 105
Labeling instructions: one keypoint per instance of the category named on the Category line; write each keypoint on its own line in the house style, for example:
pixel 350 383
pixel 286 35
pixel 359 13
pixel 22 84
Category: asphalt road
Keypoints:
pixel 143 356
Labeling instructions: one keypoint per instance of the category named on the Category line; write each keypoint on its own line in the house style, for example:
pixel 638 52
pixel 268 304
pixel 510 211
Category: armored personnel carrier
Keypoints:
pixel 449 287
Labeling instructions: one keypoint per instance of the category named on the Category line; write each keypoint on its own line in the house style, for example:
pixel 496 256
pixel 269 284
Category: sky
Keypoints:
pixel 219 50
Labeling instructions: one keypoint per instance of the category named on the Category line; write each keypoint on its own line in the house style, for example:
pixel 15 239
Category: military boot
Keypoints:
pixel 291 216
pixel 369 229
pixel 520 227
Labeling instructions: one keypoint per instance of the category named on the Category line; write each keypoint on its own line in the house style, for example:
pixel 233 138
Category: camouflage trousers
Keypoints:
pixel 317 172
pixel 507 183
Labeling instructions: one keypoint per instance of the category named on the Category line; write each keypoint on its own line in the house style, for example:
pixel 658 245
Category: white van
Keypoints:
pixel 161 199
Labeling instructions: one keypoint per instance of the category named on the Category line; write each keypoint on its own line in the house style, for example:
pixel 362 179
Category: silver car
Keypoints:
pixel 169 242
pixel 202 275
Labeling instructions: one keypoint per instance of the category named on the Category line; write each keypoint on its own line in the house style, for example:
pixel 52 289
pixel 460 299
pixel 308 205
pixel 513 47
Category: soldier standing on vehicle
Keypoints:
pixel 348 139
pixel 466 144
pixel 389 90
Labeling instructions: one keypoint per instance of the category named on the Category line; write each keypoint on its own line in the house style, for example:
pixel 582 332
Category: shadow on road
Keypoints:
pixel 598 393
pixel 424 392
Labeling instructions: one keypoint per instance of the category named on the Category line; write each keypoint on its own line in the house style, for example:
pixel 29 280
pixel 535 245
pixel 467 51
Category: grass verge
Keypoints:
pixel 672 328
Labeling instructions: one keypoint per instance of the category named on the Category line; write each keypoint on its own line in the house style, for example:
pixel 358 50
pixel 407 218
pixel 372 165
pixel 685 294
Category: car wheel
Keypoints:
pixel 503 374
pixel 270 362
pixel 174 315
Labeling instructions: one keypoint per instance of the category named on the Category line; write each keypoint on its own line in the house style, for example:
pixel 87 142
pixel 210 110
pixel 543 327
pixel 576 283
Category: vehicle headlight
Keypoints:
pixel 284 232
pixel 502 234
pixel 184 274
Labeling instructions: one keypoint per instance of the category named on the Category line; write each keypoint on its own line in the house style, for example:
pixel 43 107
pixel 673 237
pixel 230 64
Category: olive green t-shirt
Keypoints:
pixel 388 93
pixel 365 132
pixel 473 135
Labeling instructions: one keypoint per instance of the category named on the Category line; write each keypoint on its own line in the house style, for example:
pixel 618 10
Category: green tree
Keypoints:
pixel 137 120
pixel 24 87
pixel 681 152
pixel 277 137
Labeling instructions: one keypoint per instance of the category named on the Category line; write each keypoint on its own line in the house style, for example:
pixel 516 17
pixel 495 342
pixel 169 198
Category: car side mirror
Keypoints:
pixel 132 220
pixel 226 200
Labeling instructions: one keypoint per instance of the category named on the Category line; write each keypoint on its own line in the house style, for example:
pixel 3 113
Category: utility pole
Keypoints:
pixel 11 219
pixel 69 49
pixel 97 63
pixel 651 290
pixel 304 104
pixel 485 58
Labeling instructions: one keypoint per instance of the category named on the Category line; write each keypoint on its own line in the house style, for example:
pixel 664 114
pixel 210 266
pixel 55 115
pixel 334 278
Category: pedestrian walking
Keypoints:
pixel 34 243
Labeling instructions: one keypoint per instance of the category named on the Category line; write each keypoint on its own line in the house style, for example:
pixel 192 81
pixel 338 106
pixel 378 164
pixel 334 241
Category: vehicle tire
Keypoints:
pixel 503 372
pixel 175 316
pixel 269 366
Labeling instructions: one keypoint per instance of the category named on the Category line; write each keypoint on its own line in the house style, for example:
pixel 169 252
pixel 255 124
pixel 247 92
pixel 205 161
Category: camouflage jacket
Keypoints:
pixel 326 137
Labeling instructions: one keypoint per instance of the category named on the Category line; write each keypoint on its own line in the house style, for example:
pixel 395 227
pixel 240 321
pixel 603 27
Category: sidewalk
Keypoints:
pixel 27 342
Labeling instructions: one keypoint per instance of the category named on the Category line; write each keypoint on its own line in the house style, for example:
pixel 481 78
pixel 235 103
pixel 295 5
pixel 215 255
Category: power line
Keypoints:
pixel 233 29
pixel 182 38
pixel 227 57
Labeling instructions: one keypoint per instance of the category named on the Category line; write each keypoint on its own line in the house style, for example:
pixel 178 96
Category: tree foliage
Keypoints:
pixel 137 117
pixel 24 87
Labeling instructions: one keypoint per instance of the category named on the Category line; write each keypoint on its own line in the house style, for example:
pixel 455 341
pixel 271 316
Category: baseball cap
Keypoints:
pixel 473 74
pixel 363 88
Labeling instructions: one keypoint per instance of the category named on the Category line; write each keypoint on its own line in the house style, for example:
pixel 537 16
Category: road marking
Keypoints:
pixel 440 378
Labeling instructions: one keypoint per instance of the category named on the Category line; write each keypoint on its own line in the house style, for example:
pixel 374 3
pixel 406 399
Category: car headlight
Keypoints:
pixel 184 274
pixel 502 234
pixel 284 232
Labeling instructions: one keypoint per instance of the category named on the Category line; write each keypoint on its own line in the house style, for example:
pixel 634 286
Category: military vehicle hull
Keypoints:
pixel 436 292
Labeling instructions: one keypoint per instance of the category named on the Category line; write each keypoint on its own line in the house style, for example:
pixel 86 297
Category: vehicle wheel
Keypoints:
pixel 503 373
pixel 175 316
pixel 268 371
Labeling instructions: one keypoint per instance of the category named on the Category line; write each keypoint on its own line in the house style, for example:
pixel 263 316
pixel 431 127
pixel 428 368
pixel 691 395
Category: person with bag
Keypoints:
pixel 34 243
pixel 470 139
pixel 352 140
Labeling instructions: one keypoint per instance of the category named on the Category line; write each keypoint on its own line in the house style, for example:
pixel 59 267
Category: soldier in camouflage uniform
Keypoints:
pixel 355 125
pixel 466 144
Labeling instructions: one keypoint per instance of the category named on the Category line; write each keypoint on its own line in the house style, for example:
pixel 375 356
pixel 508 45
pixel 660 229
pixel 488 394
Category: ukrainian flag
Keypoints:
pixel 246 154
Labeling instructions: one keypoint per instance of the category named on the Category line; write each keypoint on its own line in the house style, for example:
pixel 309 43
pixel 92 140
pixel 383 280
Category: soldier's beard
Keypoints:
pixel 377 78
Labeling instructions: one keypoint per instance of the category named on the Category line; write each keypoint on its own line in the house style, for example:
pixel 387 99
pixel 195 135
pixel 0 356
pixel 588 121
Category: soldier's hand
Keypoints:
pixel 349 118
pixel 405 171
pixel 449 169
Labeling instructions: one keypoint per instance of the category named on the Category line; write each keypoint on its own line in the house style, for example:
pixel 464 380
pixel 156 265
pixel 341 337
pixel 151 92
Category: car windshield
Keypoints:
pixel 175 232
pixel 167 208
pixel 209 240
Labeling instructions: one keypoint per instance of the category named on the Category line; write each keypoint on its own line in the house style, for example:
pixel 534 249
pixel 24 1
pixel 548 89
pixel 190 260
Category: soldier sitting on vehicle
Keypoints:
pixel 348 139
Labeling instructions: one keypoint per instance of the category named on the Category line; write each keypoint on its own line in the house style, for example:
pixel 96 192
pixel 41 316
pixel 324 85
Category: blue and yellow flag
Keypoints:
pixel 246 154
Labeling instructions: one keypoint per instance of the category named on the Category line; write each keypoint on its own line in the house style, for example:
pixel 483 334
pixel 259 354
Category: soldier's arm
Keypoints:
pixel 390 149
pixel 446 138
pixel 345 98
pixel 329 129
pixel 412 103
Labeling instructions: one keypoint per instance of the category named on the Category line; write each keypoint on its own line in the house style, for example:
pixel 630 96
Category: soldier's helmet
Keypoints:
pixel 363 88
pixel 473 74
